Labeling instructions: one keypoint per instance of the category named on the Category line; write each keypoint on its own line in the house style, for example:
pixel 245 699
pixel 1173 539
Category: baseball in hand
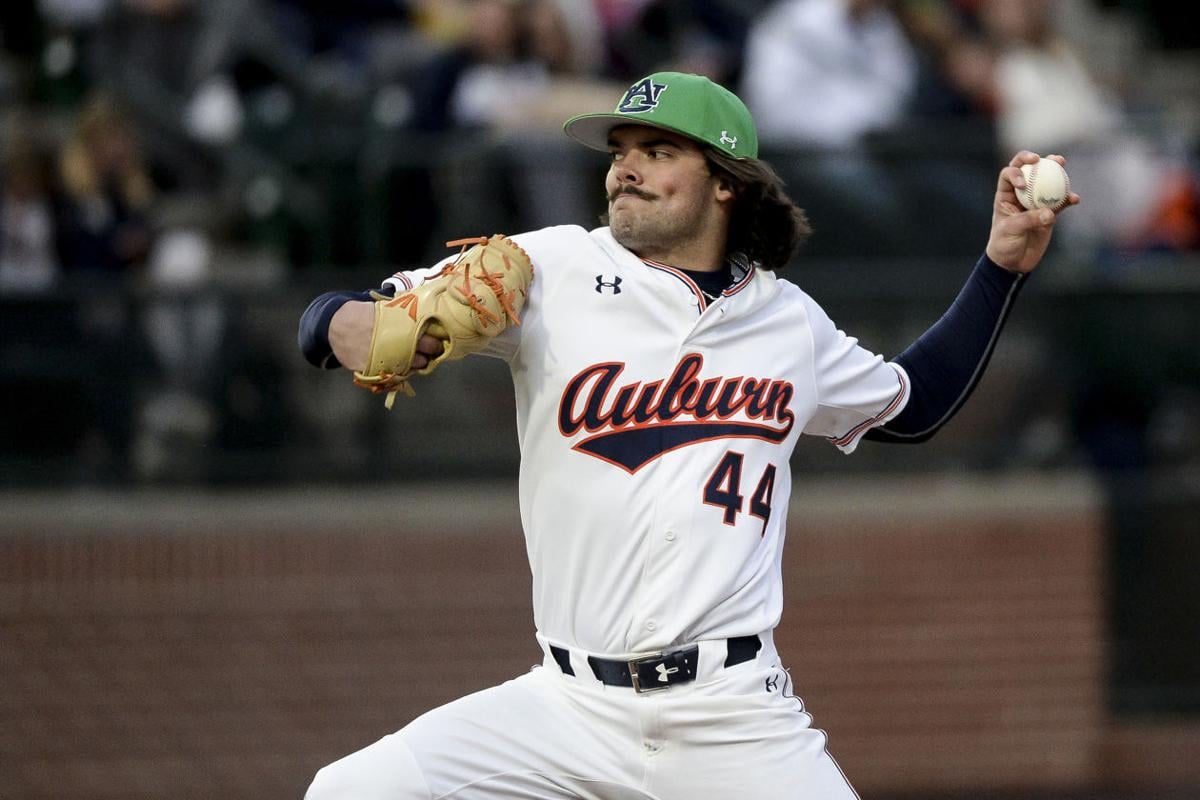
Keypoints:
pixel 1046 185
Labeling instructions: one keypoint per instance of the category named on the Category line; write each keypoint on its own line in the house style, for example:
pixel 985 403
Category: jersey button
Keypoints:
pixel 670 536
pixel 651 625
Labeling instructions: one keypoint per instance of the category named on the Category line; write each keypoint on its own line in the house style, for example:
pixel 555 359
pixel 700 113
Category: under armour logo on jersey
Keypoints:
pixel 663 672
pixel 614 284
pixel 729 140
pixel 642 96
pixel 771 683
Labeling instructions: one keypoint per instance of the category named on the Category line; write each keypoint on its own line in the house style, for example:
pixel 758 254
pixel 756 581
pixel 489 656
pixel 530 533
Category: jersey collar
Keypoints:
pixel 741 270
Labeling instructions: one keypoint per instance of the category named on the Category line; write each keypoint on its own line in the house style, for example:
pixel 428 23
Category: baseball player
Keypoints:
pixel 663 375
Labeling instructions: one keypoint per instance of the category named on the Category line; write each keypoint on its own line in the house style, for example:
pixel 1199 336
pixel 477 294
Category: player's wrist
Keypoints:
pixel 350 331
pixel 997 260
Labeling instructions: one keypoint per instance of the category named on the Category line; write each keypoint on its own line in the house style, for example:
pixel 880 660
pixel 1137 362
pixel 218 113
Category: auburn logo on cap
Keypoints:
pixel 642 96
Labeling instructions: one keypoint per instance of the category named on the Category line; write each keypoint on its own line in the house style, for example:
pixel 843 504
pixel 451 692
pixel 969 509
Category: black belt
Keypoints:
pixel 657 670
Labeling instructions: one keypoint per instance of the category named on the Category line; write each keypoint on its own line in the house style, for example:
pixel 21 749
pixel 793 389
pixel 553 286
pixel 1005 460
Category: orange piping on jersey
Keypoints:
pixel 691 284
pixel 730 291
pixel 862 426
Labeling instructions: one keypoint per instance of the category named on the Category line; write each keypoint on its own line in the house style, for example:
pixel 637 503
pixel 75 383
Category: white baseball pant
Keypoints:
pixel 735 732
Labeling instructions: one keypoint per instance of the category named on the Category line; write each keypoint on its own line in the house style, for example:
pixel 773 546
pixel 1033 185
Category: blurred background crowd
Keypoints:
pixel 310 133
pixel 178 178
pixel 164 158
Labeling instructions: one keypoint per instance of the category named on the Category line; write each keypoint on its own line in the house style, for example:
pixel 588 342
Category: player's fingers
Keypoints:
pixel 1024 157
pixel 1030 220
pixel 430 346
pixel 1010 208
pixel 1011 177
pixel 1010 182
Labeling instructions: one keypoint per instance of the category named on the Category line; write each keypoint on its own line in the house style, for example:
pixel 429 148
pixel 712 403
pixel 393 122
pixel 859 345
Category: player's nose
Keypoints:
pixel 625 173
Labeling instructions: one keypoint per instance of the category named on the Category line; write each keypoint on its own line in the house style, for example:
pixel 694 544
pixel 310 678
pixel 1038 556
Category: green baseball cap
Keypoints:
pixel 690 105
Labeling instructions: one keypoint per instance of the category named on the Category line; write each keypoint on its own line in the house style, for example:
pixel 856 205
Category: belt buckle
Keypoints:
pixel 633 674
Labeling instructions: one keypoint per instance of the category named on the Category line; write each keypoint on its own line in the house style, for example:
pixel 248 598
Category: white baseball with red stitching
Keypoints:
pixel 1046 185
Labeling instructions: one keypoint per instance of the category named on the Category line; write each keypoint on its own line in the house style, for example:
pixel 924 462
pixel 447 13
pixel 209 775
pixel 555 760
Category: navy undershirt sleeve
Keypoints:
pixel 313 336
pixel 946 362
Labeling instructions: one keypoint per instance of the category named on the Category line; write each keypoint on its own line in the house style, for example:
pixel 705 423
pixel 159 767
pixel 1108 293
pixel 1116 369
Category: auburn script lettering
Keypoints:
pixel 633 423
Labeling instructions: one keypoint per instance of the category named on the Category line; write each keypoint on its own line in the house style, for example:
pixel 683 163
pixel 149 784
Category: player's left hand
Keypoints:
pixel 1019 238
pixel 446 317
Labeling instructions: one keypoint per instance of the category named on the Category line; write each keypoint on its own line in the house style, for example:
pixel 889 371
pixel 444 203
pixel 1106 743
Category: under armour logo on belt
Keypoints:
pixel 661 669
pixel 614 284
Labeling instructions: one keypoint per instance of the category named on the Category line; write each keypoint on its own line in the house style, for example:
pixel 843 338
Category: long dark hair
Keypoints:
pixel 766 224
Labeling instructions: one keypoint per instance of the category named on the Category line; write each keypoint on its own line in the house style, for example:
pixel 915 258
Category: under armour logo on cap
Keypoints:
pixel 729 140
pixel 642 96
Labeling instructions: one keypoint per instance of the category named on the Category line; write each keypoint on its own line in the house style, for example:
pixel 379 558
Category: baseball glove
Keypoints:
pixel 466 304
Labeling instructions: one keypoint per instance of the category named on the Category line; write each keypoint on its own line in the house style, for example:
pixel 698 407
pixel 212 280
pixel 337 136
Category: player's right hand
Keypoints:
pixel 350 337
pixel 1019 237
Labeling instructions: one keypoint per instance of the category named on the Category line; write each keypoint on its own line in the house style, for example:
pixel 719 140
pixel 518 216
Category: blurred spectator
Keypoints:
pixel 566 35
pixel 144 54
pixel 957 64
pixel 67 64
pixel 104 236
pixel 185 324
pixel 512 67
pixel 445 97
pixel 443 22
pixel 107 192
pixel 616 15
pixel 563 38
pixel 524 67
pixel 706 37
pixel 107 233
pixel 1143 194
pixel 28 254
pixel 826 72
pixel 1048 97
pixel 821 75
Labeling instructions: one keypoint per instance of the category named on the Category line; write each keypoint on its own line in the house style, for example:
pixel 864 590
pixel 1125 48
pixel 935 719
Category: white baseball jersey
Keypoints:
pixel 655 428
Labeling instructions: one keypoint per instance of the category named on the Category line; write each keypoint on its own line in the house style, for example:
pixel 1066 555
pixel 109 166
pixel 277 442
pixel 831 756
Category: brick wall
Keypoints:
pixel 955 641
pixel 947 635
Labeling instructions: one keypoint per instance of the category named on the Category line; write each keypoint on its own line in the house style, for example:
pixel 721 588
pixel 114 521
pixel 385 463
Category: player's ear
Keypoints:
pixel 724 189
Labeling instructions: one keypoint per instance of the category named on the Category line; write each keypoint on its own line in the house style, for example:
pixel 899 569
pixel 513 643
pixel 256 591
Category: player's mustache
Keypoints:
pixel 633 190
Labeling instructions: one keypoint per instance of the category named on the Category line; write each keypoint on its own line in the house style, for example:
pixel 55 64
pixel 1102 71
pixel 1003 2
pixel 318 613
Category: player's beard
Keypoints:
pixel 645 227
